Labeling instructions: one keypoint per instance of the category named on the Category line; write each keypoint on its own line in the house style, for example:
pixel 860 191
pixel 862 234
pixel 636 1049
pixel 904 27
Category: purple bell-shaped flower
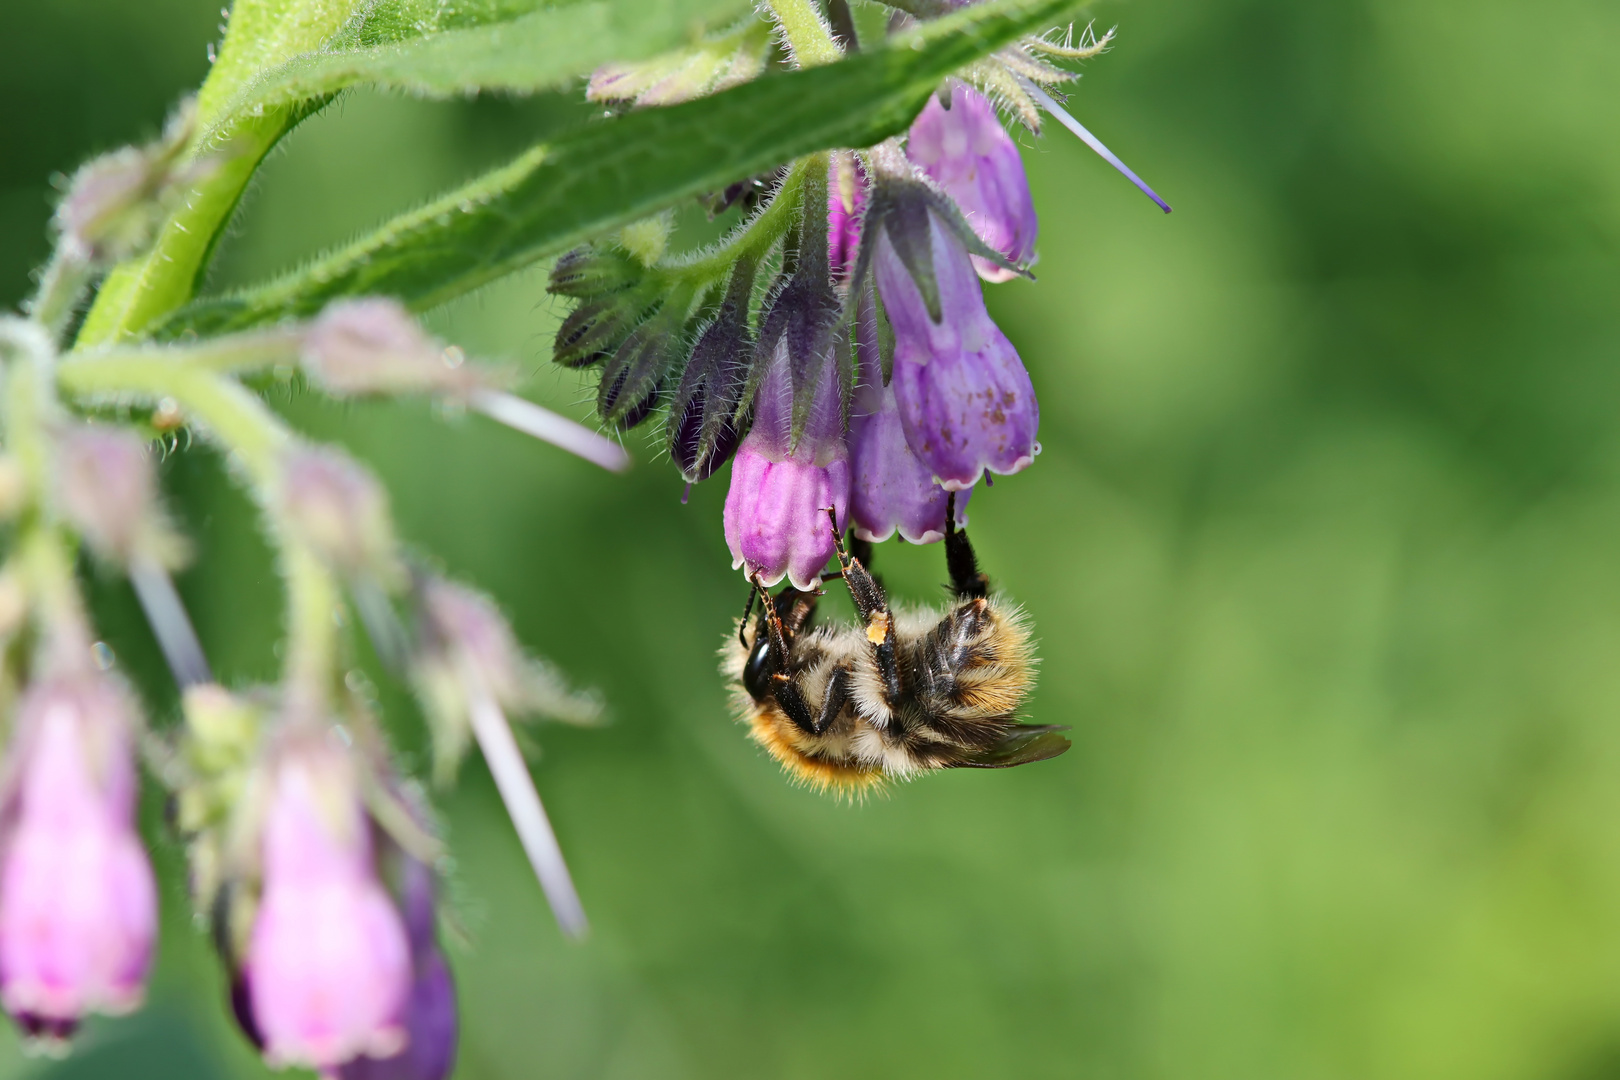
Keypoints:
pixel 891 490
pixel 328 966
pixel 78 908
pixel 965 150
pixel 965 401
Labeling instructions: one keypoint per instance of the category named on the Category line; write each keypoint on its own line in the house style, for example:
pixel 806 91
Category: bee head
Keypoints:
pixel 782 618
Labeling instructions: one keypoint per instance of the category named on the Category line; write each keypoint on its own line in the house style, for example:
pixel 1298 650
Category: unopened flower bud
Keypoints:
pixel 374 346
pixel 108 490
pixel 115 202
pixel 328 967
pixel 967 152
pixel 78 908
pixel 632 379
pixel 594 331
pixel 464 647
pixel 703 428
pixel 592 271
pixel 338 508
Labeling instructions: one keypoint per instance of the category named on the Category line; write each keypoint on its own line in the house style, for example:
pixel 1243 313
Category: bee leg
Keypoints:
pixel 967 580
pixel 873 608
pixel 834 701
pixel 791 701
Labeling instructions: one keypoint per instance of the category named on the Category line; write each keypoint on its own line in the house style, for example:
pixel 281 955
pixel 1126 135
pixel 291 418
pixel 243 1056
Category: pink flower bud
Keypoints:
pixel 338 508
pixel 115 202
pixel 373 346
pixel 78 907
pixel 108 490
pixel 466 647
pixel 328 965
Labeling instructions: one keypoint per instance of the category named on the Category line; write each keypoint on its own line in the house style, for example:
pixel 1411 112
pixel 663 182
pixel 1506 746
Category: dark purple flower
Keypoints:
pixel 965 401
pixel 776 509
pixel 78 908
pixel 429 1016
pixel 967 152
pixel 890 490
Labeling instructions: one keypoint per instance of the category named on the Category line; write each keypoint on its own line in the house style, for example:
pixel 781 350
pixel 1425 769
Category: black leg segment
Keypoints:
pixel 873 608
pixel 966 579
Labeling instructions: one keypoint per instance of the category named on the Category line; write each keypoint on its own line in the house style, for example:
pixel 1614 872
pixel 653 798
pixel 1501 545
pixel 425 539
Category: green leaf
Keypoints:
pixel 283 59
pixel 519 46
pixel 612 172
pixel 262 33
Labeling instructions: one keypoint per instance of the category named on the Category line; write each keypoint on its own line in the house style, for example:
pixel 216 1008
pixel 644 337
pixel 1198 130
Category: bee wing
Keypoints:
pixel 1020 746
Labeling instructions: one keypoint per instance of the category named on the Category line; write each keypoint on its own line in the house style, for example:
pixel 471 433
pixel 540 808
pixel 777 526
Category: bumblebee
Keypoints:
pixel 904 693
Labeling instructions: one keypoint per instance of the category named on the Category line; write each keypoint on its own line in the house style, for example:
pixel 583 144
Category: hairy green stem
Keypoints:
pixel 262 33
pixel 756 238
pixel 808 36
pixel 42 550
pixel 254 438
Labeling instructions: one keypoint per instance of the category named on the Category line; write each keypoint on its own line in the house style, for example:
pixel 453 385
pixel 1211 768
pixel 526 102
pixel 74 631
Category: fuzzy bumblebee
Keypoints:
pixel 849 707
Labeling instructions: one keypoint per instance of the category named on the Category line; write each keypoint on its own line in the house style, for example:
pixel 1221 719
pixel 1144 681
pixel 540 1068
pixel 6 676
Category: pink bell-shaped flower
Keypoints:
pixel 78 909
pixel 328 964
pixel 776 509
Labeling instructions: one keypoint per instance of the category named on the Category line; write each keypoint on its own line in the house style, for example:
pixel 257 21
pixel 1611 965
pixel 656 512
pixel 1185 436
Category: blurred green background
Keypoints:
pixel 1323 553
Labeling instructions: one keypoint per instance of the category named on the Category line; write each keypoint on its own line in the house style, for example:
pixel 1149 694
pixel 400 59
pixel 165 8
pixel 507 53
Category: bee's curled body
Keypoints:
pixel 847 707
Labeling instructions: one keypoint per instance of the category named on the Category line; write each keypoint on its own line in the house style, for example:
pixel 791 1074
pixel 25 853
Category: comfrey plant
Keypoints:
pixel 834 347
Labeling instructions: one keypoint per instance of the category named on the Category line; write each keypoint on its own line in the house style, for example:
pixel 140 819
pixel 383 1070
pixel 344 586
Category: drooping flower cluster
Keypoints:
pixel 315 861
pixel 871 379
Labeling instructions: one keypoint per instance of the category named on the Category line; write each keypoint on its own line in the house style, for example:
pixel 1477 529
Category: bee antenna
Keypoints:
pixel 748 610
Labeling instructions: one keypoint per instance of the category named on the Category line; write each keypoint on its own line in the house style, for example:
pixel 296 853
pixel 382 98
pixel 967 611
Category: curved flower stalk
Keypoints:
pixel 304 856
